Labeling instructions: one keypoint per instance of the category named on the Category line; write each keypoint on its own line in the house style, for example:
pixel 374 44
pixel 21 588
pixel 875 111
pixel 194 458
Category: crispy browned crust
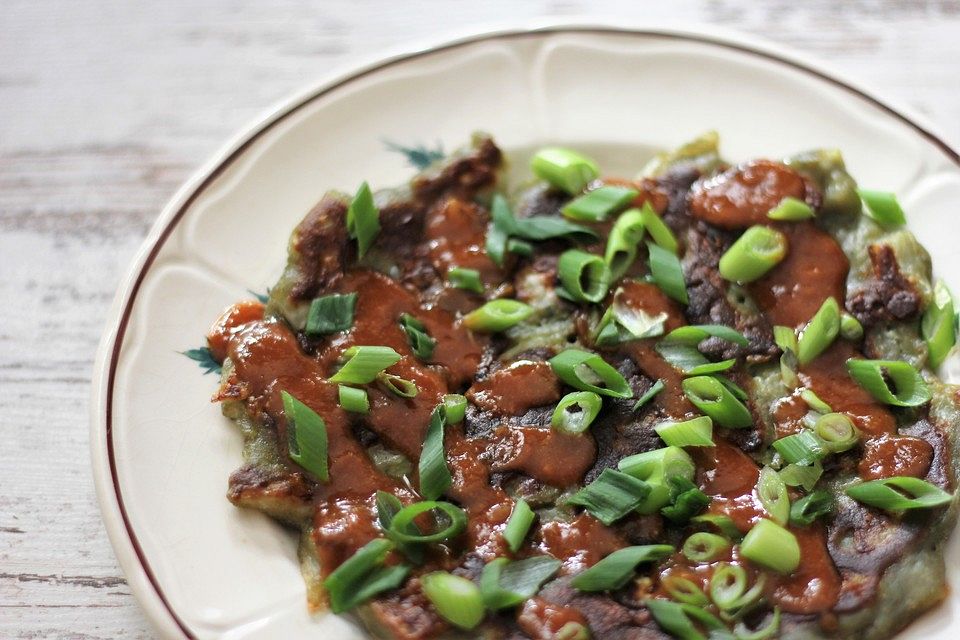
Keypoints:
pixel 886 296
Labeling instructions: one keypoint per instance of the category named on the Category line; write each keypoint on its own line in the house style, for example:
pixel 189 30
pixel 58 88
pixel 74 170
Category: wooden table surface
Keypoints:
pixel 106 107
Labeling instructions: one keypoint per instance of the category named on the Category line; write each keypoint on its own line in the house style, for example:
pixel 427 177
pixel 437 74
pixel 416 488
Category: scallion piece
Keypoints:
pixel 697 432
pixel 723 524
pixel 497 315
pixel 589 372
pixel 625 236
pixel 850 327
pixel 363 363
pixel 786 338
pixel 705 547
pixel 667 273
pixel 742 632
pixel 597 204
pixel 565 169
pixel 401 531
pixel 611 496
pixel 616 569
pixel 675 619
pixel 455 406
pixel 820 332
pixel 906 388
pixel 900 493
pixel 770 545
pixel 694 334
pixel 883 207
pixel 658 229
pixel 710 396
pixel 419 340
pixel 683 590
pixel 332 313
pixel 520 247
pixel 363 576
pixel 505 584
pixel 801 475
pixel 572 631
pixel 939 326
pixel 791 210
pixel 814 402
pixel 388 505
pixel 466 279
pixel 754 253
pixel 810 507
pixel 498 233
pixel 800 448
pixel 397 385
pixel 621 323
pixel 584 276
pixel 363 219
pixel 658 468
pixel 353 400
pixel 649 394
pixel 772 491
pixel 728 589
pixel 837 432
pixel 576 412
pixel 679 348
pixel 456 599
pixel 518 526
pixel 306 437
pixel 434 473
pixel 688 501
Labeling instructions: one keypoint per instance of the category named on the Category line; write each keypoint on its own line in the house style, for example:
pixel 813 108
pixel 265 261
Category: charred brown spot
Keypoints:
pixel 888 295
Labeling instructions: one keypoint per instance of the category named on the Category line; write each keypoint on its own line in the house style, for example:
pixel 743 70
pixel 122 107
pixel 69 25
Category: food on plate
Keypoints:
pixel 698 402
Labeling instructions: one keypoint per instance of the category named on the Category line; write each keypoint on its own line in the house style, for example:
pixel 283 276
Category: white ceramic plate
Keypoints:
pixel 162 452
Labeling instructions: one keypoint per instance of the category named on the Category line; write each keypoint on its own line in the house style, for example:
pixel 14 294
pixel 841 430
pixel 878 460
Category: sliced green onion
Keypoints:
pixel 547 227
pixel 727 586
pixel 388 505
pixel 697 432
pixel 683 590
pixel 773 627
pixel 802 475
pixel 456 599
pixel 675 619
pixel 611 496
pixel 657 468
pixel 820 332
pixel 770 545
pixel 498 233
pixel 616 569
pixel 899 493
pixel 434 473
pixel 772 491
pixel 658 229
pixel 850 327
pixel 572 631
pixel 363 363
pixel 520 247
pixel 584 276
pixel 626 234
pixel 332 313
pixel 733 388
pixel 688 501
pixel 467 279
pixel 679 348
pixel 455 406
pixel 363 576
pixel 597 204
pixel 363 219
pixel 939 325
pixel 791 210
pixel 506 584
pixel 800 448
pixel 353 400
pixel 694 334
pixel 649 394
pixel 906 387
pixel 497 315
pixel 419 340
pixel 589 372
pixel 810 507
pixel 724 524
pixel 710 396
pixel 705 547
pixel 754 253
pixel 397 385
pixel 883 207
pixel 565 169
pixel 576 412
pixel 667 273
pixel 786 338
pixel 306 437
pixel 837 432
pixel 401 531
pixel 621 323
pixel 814 402
pixel 788 369
pixel 518 526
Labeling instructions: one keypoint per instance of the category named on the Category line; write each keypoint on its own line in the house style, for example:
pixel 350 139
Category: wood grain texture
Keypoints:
pixel 106 107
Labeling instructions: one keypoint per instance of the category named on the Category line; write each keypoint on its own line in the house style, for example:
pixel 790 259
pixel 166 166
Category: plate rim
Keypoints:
pixel 132 559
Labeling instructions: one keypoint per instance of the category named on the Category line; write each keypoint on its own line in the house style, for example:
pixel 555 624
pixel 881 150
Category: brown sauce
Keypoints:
pixel 516 387
pixel 889 456
pixel 233 318
pixel 580 543
pixel 542 620
pixel 742 196
pixel 554 458
pixel 456 234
